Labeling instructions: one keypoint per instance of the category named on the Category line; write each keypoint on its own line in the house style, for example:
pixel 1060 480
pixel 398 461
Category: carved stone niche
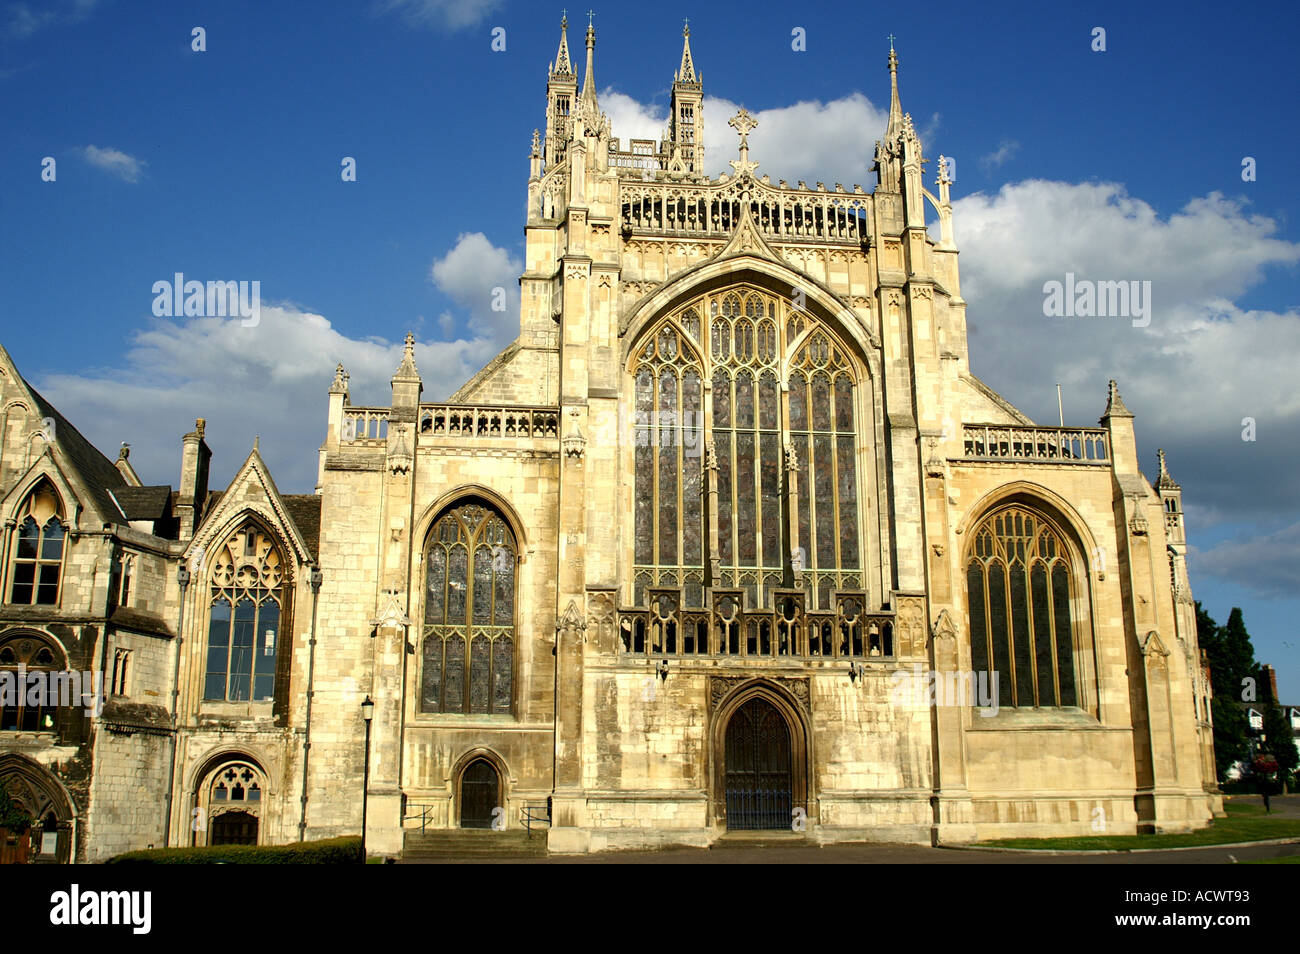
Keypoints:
pixel 722 686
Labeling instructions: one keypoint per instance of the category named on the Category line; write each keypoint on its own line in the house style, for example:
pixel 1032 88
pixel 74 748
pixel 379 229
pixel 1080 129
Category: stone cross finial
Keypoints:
pixel 892 38
pixel 742 122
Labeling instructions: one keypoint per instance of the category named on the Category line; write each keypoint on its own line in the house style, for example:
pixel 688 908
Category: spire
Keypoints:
pixel 1114 403
pixel 407 368
pixel 563 66
pixel 589 81
pixel 1164 481
pixel 895 126
pixel 686 74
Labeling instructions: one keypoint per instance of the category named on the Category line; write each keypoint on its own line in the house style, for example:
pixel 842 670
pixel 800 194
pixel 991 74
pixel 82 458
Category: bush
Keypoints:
pixel 327 851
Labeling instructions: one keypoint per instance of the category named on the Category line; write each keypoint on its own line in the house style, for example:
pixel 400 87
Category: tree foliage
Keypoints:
pixel 1233 674
pixel 12 816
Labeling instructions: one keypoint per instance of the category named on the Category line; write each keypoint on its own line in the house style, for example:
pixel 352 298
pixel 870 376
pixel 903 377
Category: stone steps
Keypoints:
pixel 461 842
pixel 762 838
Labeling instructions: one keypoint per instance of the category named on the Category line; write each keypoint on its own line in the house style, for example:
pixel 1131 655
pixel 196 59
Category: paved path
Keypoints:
pixel 886 855
pixel 1282 805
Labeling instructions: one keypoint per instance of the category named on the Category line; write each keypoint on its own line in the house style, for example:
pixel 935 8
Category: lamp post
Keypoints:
pixel 367 713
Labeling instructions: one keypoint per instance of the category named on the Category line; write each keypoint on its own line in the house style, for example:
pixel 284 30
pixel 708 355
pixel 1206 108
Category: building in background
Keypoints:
pixel 680 561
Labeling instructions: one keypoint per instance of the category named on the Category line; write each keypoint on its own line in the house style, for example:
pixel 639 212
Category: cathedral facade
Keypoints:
pixel 729 539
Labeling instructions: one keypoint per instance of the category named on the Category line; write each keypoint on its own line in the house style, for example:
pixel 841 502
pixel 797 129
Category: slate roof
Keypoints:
pixel 144 503
pixel 97 472
pixel 305 511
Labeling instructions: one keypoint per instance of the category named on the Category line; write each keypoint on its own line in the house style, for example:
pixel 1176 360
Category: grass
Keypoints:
pixel 1243 823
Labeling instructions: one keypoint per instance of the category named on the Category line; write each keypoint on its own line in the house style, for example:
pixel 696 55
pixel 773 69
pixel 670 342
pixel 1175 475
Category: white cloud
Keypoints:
pixel 630 119
pixel 831 142
pixel 114 162
pixel 1202 365
pixel 483 279
pixel 1000 156
pixel 280 371
pixel 270 380
pixel 450 15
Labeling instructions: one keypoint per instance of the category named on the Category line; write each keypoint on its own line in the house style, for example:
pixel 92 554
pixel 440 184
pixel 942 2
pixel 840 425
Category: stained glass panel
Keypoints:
pixel 503 655
pixel 480 672
pixel 482 584
pixel 436 585
pixel 1042 622
pixel 454 688
pixel 1064 637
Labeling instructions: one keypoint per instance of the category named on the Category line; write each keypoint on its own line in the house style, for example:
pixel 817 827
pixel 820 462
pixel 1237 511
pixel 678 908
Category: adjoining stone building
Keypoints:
pixel 679 561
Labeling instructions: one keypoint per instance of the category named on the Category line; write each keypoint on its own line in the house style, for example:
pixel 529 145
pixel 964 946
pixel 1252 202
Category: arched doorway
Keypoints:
pixel 759 774
pixel 233 828
pixel 40 811
pixel 229 803
pixel 480 788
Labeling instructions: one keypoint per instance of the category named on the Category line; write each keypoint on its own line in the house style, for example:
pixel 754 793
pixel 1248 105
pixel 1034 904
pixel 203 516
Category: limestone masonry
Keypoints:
pixel 679 561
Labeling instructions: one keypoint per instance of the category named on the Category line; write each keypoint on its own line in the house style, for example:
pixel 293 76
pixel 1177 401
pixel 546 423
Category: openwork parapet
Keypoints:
pixel 470 421
pixel 725 628
pixel 1057 445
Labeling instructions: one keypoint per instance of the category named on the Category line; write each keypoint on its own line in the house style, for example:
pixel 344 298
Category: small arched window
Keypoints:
pixel 1020 586
pixel 469 613
pixel 37 558
pixel 246 617
pixel 29 696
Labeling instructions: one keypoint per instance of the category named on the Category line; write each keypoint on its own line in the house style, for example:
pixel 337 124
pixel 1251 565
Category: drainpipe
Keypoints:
pixel 314 578
pixel 183 578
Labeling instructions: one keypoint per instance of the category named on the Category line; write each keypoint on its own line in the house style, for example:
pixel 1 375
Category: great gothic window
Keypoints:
pixel 787 482
pixel 37 562
pixel 469 613
pixel 1020 584
pixel 247 616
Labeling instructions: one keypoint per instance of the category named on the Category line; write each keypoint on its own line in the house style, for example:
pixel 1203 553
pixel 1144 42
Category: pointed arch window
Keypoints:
pixel 751 347
pixel 468 662
pixel 247 614
pixel 40 538
pixel 29 698
pixel 1020 588
pixel 230 805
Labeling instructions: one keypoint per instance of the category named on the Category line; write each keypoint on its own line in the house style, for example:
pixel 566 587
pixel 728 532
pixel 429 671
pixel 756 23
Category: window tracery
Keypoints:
pixel 38 549
pixel 1020 585
pixel 27 661
pixel 469 613
pixel 246 617
pixel 772 454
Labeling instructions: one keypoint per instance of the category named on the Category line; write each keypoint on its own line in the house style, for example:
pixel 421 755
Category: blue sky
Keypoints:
pixel 225 164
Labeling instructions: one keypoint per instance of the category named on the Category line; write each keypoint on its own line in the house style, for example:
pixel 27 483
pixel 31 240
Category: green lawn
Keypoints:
pixel 1243 823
